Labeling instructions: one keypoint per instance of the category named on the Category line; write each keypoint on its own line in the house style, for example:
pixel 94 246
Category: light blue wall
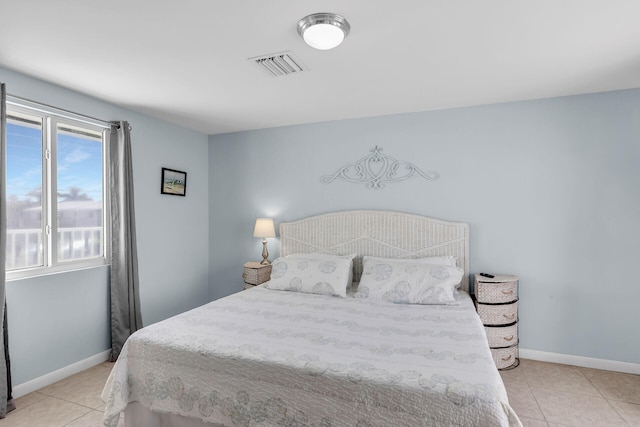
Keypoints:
pixel 549 188
pixel 58 320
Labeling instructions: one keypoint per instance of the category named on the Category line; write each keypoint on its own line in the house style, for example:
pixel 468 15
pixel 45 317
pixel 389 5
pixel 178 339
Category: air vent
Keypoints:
pixel 279 64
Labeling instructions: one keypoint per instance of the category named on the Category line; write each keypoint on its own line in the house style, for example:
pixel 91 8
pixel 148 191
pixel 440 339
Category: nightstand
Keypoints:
pixel 255 274
pixel 496 301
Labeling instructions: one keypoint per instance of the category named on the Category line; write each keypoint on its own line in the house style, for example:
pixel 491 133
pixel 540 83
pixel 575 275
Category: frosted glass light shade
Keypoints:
pixel 323 30
pixel 264 228
pixel 323 36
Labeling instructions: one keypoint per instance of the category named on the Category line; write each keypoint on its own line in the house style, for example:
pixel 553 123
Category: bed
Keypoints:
pixel 266 357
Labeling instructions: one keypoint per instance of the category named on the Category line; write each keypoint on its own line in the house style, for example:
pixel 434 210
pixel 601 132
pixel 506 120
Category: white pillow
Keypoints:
pixel 408 282
pixel 431 260
pixel 320 255
pixel 320 275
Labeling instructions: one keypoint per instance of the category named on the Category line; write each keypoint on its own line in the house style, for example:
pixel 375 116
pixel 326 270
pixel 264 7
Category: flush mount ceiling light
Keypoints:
pixel 323 30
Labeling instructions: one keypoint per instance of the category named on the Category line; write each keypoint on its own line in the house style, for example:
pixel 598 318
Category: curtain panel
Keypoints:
pixel 126 316
pixel 6 401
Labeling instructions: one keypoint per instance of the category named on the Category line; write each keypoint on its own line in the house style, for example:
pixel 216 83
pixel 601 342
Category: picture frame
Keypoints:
pixel 174 182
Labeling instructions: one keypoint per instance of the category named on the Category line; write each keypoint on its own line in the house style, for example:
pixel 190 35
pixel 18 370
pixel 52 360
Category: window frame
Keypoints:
pixel 51 118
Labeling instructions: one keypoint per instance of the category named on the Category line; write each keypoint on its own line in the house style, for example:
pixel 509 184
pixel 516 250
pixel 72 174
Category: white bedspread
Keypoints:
pixel 273 358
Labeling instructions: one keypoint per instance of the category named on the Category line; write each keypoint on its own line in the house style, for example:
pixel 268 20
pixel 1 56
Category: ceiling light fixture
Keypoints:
pixel 323 30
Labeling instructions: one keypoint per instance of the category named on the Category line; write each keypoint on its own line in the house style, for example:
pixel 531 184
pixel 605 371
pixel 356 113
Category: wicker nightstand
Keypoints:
pixel 496 301
pixel 255 274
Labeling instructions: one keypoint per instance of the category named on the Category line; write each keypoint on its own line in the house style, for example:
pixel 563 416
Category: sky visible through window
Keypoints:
pixel 24 160
pixel 79 164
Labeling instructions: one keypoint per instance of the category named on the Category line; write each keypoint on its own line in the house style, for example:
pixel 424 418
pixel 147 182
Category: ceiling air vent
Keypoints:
pixel 279 64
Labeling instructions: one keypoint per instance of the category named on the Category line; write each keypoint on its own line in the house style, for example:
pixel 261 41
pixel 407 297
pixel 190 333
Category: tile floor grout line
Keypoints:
pixel 76 419
pixel 26 406
pixel 622 417
pixel 605 398
pixel 592 384
pixel 69 401
pixel 535 399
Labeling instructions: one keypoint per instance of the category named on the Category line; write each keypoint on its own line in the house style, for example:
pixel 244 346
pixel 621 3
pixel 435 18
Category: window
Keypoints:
pixel 55 181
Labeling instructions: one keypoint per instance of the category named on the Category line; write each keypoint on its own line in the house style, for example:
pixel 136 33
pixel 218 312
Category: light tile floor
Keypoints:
pixel 548 394
pixel 542 394
pixel 72 402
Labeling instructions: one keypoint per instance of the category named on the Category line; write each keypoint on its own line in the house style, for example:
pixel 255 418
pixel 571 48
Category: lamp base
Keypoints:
pixel 265 253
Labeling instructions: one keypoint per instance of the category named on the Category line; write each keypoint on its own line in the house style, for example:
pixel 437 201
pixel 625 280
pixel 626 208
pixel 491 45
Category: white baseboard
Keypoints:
pixel 60 374
pixel 585 362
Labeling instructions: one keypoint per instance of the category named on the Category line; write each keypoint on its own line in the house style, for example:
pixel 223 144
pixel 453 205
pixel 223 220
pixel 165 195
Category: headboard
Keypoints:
pixel 377 233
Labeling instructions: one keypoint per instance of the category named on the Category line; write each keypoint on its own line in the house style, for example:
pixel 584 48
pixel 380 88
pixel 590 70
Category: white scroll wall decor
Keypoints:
pixel 377 169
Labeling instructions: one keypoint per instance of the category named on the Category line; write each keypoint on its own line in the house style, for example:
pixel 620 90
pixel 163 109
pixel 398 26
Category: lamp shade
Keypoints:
pixel 264 228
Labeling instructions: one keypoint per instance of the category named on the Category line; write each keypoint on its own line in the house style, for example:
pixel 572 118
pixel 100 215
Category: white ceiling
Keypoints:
pixel 185 61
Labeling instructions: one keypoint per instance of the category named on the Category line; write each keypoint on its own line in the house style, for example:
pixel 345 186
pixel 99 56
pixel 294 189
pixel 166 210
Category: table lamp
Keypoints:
pixel 264 228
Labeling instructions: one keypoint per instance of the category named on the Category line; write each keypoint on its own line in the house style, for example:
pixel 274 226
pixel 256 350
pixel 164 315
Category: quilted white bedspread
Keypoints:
pixel 273 358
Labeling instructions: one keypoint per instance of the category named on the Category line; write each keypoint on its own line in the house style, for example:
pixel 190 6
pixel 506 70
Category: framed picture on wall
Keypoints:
pixel 173 182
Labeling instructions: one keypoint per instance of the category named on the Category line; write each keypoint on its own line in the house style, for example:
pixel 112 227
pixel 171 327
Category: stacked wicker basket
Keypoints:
pixel 496 300
pixel 255 274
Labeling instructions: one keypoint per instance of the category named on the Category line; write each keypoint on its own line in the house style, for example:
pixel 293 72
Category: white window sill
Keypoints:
pixel 28 273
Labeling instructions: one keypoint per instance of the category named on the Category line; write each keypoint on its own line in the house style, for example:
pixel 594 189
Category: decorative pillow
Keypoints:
pixel 408 282
pixel 320 275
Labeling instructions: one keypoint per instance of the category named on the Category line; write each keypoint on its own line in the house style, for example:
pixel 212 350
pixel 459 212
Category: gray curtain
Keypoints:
pixel 6 402
pixel 126 317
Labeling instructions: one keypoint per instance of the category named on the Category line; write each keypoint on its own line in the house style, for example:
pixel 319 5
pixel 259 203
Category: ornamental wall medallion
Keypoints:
pixel 377 169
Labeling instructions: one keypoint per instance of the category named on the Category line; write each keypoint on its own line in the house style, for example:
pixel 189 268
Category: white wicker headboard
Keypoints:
pixel 377 233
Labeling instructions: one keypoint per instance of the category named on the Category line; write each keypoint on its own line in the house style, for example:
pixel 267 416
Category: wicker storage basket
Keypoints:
pixel 256 273
pixel 497 292
pixel 501 314
pixel 504 357
pixel 502 336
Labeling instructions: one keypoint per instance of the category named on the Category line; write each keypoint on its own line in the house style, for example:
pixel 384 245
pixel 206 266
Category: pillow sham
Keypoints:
pixel 320 255
pixel 407 282
pixel 319 275
pixel 431 260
